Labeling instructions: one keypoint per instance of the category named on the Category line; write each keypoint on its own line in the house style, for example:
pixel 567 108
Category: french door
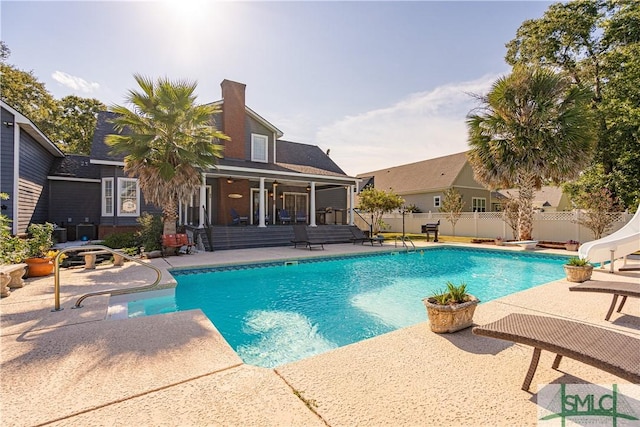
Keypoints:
pixel 297 206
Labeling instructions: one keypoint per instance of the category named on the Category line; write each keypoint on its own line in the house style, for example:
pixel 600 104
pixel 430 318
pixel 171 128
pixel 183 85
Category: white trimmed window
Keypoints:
pixel 436 201
pixel 128 197
pixel 259 146
pixel 107 196
pixel 479 204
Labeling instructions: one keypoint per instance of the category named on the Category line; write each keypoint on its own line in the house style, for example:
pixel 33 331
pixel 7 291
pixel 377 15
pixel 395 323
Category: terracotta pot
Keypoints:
pixel 38 267
pixel 450 318
pixel 578 274
pixel 571 246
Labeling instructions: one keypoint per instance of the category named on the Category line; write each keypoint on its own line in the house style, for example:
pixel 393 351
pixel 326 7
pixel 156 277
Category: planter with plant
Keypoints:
pixel 499 241
pixel 571 245
pixel 452 309
pixel 39 253
pixel 578 270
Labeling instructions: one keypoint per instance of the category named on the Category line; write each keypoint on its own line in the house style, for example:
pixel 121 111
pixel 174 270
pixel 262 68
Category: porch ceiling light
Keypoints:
pixel 308 188
pixel 229 180
pixel 275 183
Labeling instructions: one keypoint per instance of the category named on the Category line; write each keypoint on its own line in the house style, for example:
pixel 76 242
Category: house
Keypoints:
pixel 423 183
pixel 548 199
pixel 259 175
pixel 26 156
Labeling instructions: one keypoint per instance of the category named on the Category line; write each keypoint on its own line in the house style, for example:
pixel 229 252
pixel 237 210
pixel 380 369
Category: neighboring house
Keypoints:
pixel 26 156
pixel 423 183
pixel 259 175
pixel 547 199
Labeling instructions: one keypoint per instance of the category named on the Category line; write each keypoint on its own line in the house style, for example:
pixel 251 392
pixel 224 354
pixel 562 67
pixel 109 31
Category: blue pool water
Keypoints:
pixel 273 314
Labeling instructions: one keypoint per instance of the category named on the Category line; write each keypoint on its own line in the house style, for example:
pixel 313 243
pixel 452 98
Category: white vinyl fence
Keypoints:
pixel 549 226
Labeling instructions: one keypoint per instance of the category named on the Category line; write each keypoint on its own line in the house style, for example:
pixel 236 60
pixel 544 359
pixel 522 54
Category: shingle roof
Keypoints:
pixel 548 195
pixel 75 166
pixel 99 149
pixel 421 176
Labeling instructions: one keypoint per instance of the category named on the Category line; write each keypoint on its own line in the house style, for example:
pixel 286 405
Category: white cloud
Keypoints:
pixel 424 125
pixel 74 82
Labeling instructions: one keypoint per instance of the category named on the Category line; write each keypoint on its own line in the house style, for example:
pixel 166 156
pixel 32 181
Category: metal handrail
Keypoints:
pixel 404 240
pixel 365 221
pixel 56 269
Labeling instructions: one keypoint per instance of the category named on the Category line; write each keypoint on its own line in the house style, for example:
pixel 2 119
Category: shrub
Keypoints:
pixel 121 240
pixel 454 294
pixel 151 232
pixel 577 262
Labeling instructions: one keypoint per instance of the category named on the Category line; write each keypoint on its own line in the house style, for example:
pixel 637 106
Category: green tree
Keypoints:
pixel 597 44
pixel 377 203
pixel 5 52
pixel 453 206
pixel 599 216
pixel 168 140
pixel 76 122
pixel 533 126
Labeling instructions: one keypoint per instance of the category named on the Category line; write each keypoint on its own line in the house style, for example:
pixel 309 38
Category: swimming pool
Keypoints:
pixel 278 312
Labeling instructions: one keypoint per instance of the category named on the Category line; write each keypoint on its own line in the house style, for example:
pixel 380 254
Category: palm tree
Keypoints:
pixel 533 126
pixel 168 140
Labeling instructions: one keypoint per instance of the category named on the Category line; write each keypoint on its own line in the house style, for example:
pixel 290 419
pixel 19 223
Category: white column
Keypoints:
pixel 312 208
pixel 180 218
pixel 261 207
pixel 203 197
pixel 352 203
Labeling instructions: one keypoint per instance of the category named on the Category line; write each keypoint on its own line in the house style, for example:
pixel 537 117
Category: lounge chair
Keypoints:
pixel 301 236
pixel 360 237
pixel 624 289
pixel 602 348
pixel 301 217
pixel 284 216
pixel 237 219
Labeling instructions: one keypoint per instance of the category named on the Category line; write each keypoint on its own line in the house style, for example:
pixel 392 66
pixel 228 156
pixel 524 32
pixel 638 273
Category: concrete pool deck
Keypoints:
pixel 75 367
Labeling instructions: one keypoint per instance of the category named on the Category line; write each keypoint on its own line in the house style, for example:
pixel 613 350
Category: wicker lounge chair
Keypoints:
pixel 624 289
pixel 602 348
pixel 301 237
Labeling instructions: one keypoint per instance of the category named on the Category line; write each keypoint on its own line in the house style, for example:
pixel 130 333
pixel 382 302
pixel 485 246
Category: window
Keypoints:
pixel 107 196
pixel 259 145
pixel 436 201
pixel 479 204
pixel 128 197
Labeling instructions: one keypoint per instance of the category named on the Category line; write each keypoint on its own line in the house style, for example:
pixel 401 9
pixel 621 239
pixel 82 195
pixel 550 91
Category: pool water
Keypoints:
pixel 274 313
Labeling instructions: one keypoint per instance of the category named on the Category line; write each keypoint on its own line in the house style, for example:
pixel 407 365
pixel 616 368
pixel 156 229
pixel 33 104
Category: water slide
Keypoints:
pixel 616 245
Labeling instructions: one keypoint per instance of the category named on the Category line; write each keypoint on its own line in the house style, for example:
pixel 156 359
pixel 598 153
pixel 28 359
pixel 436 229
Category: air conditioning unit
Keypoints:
pixel 85 232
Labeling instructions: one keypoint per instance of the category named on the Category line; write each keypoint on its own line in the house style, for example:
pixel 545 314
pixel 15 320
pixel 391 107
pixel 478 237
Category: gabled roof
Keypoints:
pixel 305 158
pixel 547 196
pixel 100 151
pixel 29 127
pixel 74 166
pixel 424 176
pixel 255 116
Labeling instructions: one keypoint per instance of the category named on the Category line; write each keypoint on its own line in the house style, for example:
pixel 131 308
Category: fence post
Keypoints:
pixel 576 218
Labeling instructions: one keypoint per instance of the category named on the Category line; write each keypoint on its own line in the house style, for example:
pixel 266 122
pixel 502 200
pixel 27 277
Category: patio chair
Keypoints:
pixel 284 216
pixel 301 217
pixel 601 348
pixel 236 219
pixel 624 289
pixel 359 236
pixel 301 236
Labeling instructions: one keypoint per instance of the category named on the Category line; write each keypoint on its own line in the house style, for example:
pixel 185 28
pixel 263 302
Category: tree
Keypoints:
pixel 533 126
pixel 452 205
pixel 76 121
pixel 597 44
pixel 598 216
pixel 5 52
pixel 169 140
pixel 510 213
pixel 378 202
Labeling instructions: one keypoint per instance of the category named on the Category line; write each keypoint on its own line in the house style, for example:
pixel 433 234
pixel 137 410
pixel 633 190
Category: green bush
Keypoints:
pixel 454 294
pixel 577 262
pixel 151 232
pixel 121 240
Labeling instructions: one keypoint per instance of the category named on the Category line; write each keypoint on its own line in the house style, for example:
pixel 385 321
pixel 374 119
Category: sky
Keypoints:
pixel 379 84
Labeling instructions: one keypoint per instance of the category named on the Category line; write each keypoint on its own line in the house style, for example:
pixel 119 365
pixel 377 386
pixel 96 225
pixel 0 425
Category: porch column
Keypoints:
pixel 312 206
pixel 180 218
pixel 203 197
pixel 352 203
pixel 261 206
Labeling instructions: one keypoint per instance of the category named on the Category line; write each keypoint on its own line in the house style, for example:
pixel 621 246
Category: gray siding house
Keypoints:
pixel 26 156
pixel 423 183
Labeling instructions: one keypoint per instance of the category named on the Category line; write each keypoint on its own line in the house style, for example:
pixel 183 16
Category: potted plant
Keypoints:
pixel 578 269
pixel 452 309
pixel 499 241
pixel 571 245
pixel 38 255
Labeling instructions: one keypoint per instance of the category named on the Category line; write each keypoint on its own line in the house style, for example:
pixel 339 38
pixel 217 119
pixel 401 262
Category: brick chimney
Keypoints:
pixel 233 112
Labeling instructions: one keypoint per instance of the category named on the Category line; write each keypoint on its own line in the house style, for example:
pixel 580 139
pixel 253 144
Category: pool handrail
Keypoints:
pixel 56 269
